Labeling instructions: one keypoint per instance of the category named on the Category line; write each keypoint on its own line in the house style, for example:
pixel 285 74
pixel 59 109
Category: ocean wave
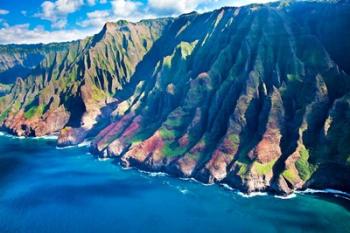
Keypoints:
pixel 126 168
pixel 335 192
pixel 184 178
pixel 47 137
pixel 65 147
pixel 153 174
pixel 85 143
pixel 103 159
pixel 255 194
pixel 226 186
pixel 182 190
pixel 4 134
pixel 199 182
pixel 252 194
pixel 290 196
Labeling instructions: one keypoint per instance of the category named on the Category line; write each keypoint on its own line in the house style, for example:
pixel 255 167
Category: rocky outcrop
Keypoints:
pixel 255 97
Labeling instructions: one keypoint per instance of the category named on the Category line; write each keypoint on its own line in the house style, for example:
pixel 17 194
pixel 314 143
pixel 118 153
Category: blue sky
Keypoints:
pixel 40 21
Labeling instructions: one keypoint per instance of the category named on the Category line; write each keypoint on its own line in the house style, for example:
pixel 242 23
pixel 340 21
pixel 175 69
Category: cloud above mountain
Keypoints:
pixel 64 20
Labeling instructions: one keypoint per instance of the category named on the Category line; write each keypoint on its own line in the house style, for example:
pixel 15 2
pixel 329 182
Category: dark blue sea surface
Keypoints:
pixel 44 189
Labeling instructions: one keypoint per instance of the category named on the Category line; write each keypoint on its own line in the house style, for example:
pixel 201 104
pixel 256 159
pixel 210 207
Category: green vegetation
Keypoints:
pixel 5 88
pixel 167 134
pixel 167 61
pixel 16 106
pixel 243 162
pixel 187 48
pixel 263 169
pixel 248 82
pixel 173 151
pixel 173 122
pixel 293 78
pixel 243 168
pixel 290 176
pixel 3 115
pixel 97 94
pixel 234 138
pixel 303 166
pixel 34 111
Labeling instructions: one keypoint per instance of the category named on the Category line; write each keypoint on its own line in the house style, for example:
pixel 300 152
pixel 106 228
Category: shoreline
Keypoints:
pixel 47 137
pixel 86 143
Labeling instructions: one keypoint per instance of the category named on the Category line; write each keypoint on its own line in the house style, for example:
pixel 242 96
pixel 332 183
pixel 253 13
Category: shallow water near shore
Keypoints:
pixel 43 189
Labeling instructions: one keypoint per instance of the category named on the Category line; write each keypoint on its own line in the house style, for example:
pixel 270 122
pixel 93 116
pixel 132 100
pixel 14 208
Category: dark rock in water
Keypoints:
pixel 256 97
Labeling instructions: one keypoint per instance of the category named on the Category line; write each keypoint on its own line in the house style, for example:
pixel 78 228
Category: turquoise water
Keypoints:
pixel 43 189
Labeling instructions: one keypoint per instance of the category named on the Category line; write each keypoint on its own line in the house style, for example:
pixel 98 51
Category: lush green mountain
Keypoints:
pixel 256 97
pixel 70 86
pixel 19 60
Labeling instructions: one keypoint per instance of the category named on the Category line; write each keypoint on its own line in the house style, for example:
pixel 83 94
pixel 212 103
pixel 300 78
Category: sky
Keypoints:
pixel 40 21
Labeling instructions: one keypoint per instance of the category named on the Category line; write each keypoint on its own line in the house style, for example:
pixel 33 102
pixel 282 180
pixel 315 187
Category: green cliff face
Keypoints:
pixel 256 97
pixel 71 86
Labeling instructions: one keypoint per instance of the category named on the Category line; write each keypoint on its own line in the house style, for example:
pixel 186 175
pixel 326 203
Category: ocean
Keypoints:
pixel 46 189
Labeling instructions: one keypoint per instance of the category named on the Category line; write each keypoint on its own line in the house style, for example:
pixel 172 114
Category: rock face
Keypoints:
pixel 256 97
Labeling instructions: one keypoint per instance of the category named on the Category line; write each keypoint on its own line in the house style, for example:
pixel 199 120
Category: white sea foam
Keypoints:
pixel 335 192
pixel 199 182
pixel 65 147
pixel 4 134
pixel 290 196
pixel 253 194
pixel 103 159
pixel 341 196
pixel 48 137
pixel 153 174
pixel 185 178
pixel 226 186
pixel 85 143
pixel 182 190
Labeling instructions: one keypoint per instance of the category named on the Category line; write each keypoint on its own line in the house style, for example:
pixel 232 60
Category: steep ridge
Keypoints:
pixel 19 60
pixel 255 97
pixel 70 87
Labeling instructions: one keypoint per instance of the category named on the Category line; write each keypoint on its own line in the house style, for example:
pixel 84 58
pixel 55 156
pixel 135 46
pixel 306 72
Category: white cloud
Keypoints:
pixel 120 9
pixel 126 9
pixel 215 4
pixel 56 12
pixel 59 23
pixel 4 12
pixel 3 23
pixel 91 2
pixel 175 7
pixel 23 34
pixel 135 10
pixel 96 19
pixel 170 7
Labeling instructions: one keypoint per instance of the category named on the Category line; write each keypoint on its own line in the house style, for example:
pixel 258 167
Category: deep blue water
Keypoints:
pixel 43 189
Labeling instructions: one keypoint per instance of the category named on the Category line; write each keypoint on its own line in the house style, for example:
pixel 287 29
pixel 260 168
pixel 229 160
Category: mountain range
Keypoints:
pixel 256 97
